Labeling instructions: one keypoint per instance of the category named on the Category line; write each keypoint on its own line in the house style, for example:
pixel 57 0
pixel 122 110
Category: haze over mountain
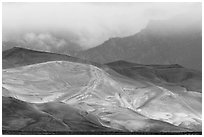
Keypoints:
pixel 59 76
pixel 161 42
pixel 43 42
pixel 42 26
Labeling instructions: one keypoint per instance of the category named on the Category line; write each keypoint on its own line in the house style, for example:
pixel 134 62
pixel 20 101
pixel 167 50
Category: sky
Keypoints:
pixel 57 25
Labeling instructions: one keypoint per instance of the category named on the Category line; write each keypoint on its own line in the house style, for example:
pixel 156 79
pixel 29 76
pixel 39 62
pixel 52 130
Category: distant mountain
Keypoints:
pixel 69 49
pixel 17 56
pixel 168 75
pixel 161 42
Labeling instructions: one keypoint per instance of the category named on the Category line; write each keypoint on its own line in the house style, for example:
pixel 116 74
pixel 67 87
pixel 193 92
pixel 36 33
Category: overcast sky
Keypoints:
pixel 87 24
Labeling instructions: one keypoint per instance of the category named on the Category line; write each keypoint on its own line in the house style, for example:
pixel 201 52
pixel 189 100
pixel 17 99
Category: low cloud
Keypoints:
pixel 43 41
pixel 84 24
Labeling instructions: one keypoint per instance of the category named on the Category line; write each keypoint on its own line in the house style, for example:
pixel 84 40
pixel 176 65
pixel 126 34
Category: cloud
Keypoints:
pixel 84 24
pixel 42 41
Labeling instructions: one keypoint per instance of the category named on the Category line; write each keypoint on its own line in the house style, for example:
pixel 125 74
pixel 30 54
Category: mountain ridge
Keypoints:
pixel 121 104
pixel 73 95
pixel 18 56
pixel 152 46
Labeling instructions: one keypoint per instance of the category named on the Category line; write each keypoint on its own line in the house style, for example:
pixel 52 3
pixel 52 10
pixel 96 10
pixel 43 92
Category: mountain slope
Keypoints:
pixel 17 56
pixel 173 75
pixel 117 103
pixel 161 42
pixel 24 116
pixel 49 44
